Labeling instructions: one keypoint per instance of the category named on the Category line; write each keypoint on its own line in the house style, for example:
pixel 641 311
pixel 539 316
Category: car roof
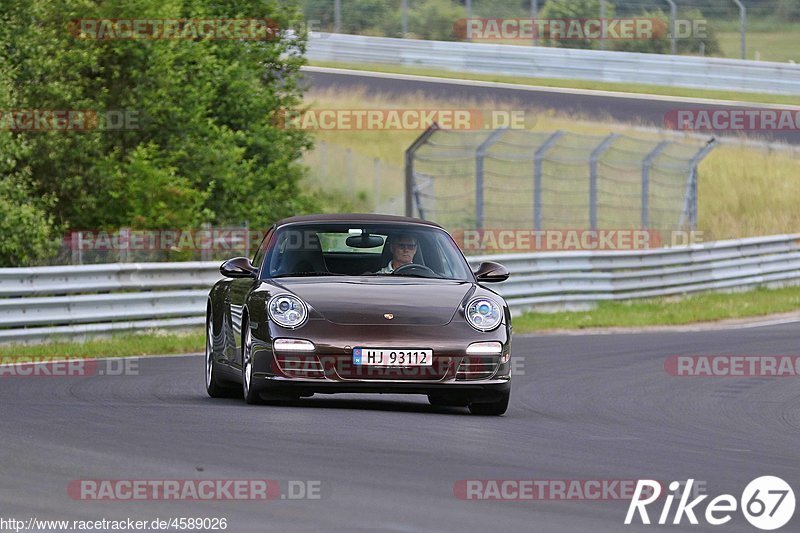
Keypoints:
pixel 357 218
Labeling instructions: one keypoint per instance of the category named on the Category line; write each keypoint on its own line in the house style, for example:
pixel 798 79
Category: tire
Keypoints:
pixel 491 409
pixel 250 397
pixel 214 387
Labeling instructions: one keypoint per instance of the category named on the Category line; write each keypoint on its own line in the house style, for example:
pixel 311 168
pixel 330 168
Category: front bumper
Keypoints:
pixel 329 368
pixel 481 391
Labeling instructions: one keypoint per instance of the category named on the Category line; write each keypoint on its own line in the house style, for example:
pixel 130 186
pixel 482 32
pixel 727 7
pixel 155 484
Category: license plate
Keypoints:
pixel 392 357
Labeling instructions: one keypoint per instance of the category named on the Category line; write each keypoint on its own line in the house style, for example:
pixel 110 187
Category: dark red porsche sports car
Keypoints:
pixel 359 303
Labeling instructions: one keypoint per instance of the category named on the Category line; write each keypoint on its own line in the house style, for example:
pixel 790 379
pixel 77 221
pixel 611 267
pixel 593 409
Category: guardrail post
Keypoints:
pixel 646 164
pixel 409 166
pixel 690 194
pixel 538 157
pixel 593 159
pixel 480 153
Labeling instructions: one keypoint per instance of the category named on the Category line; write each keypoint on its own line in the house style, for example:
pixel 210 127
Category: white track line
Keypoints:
pixel 67 361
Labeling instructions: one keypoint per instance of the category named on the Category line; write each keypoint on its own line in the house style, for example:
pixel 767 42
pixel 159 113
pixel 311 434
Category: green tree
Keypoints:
pixel 205 146
pixel 574 9
pixel 661 43
pixel 788 9
pixel 434 19
pixel 27 230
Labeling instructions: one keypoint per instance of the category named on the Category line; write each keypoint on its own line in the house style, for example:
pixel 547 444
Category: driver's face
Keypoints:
pixel 403 250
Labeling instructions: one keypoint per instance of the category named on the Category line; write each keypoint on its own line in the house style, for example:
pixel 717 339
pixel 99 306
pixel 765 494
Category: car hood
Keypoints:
pixel 359 301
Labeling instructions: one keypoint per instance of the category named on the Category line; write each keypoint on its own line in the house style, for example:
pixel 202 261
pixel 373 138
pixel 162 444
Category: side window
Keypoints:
pixel 262 248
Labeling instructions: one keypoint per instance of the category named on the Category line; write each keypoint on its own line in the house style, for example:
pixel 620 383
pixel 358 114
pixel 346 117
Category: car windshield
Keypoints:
pixel 358 249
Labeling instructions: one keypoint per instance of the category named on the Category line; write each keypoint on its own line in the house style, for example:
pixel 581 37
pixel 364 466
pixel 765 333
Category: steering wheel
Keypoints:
pixel 414 267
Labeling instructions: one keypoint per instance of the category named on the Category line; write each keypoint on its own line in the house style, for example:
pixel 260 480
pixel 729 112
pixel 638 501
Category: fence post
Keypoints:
pixel 742 28
pixel 646 164
pixel 690 194
pixel 480 153
pixel 247 238
pixel 348 166
pixel 594 158
pixel 124 249
pixel 673 15
pixel 76 241
pixel 337 16
pixel 602 16
pixel 376 184
pixel 409 166
pixel 538 157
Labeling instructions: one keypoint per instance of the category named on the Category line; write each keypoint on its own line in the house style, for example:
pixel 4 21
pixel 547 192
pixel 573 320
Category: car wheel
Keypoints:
pixel 250 396
pixel 214 387
pixel 492 408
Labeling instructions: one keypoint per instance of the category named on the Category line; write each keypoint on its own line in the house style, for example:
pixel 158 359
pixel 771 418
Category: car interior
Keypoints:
pixel 320 252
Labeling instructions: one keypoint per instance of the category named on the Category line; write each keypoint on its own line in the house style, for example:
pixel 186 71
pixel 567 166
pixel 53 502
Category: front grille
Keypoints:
pixel 477 367
pixel 300 366
pixel 347 370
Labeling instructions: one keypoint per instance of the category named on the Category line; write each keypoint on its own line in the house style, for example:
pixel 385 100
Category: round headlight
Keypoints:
pixel 287 310
pixel 484 314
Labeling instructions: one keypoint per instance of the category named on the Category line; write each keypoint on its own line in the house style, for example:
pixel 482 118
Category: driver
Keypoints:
pixel 403 249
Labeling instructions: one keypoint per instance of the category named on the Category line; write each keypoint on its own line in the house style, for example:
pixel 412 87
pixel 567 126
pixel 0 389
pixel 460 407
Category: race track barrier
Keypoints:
pixel 45 302
pixel 564 63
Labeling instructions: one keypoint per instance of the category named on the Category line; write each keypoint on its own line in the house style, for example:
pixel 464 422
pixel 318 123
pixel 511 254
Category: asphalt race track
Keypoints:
pixel 645 110
pixel 583 407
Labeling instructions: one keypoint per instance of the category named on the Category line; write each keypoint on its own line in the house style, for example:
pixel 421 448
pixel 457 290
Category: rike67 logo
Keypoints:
pixel 767 503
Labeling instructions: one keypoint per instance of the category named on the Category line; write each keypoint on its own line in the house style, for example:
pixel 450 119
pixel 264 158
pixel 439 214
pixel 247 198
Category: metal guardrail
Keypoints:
pixel 543 62
pixel 65 301
pixel 42 302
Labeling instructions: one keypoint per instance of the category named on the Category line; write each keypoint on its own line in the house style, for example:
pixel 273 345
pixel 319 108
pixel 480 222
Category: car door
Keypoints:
pixel 238 293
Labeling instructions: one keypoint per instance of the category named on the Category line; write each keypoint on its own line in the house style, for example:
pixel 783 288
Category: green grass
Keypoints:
pixel 770 45
pixel 667 311
pixel 152 343
pixel 575 84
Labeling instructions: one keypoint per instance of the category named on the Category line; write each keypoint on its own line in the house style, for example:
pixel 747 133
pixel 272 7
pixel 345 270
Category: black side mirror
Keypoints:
pixel 490 271
pixel 238 267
